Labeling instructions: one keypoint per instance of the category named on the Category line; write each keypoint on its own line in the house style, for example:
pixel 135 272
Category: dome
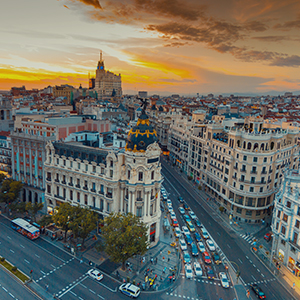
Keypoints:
pixel 141 135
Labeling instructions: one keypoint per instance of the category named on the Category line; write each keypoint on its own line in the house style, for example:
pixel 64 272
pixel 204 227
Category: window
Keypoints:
pixel 278 214
pixel 254 159
pixel 241 187
pixel 238 210
pixel 245 158
pixel 86 168
pixel 244 168
pixel 237 156
pixel 78 197
pixel 94 169
pixel 226 171
pixel 140 176
pixel 248 212
pixel 283 230
pixel 152 175
pixel 258 213
pixel 57 190
pixel 285 218
pixel 266 159
pixel 282 242
pixel 139 211
pixel 86 199
pixel 48 189
pixel 261 190
pixel 251 189
pixel 71 195
pixel 107 207
pixel 78 166
pixel 297 224
pixel 277 225
pixel 262 180
pixel 295 238
pixel 288 204
pixel 111 164
pixel 111 173
pixel 252 180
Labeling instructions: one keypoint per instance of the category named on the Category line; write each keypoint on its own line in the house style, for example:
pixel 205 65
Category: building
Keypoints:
pixel 63 91
pixel 106 178
pixel 5 152
pixel 107 84
pixel 238 162
pixel 286 222
pixel 6 119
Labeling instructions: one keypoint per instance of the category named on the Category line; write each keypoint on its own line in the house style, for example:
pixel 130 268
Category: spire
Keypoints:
pixel 100 55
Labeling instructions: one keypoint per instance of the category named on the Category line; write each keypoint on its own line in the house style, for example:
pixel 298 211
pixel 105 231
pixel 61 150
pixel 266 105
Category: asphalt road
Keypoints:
pixel 234 247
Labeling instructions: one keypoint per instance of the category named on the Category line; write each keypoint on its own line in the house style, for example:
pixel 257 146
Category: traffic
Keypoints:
pixel 198 251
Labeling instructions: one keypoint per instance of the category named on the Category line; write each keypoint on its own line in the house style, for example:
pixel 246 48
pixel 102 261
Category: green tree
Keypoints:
pixel 83 223
pixel 10 190
pixel 45 220
pixel 124 236
pixel 2 177
pixel 33 209
pixel 64 216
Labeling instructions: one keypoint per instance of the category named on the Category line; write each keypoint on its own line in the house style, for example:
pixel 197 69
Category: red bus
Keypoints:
pixel 25 228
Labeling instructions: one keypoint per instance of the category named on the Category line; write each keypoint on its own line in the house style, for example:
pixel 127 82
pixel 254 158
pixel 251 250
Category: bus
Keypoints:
pixel 25 228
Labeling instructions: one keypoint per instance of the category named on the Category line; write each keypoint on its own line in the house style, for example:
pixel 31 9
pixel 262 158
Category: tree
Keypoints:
pixel 83 223
pixel 125 236
pixel 63 217
pixel 2 177
pixel 32 209
pixel 10 190
pixel 45 220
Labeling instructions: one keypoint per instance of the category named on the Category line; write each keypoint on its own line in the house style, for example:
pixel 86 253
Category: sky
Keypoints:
pixel 160 46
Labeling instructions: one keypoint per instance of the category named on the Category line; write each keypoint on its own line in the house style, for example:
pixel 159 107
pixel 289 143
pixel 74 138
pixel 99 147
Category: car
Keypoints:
pixel 164 196
pixel 95 274
pixel 185 206
pixel 185 230
pixel 188 271
pixel 163 190
pixel 177 232
pixel 198 223
pixel 268 236
pixel 224 280
pixel 175 223
pixel 211 246
pixel 183 244
pixel 194 249
pixel 169 202
pixel 192 215
pixel 258 291
pixel 189 239
pixel 181 210
pixel 186 257
pixel 197 236
pixel 206 257
pixel 197 269
pixel 201 247
pixel 216 258
pixel 180 199
pixel 191 227
pixel 173 215
pixel 130 290
pixel 187 218
pixel 204 233
pixel 210 272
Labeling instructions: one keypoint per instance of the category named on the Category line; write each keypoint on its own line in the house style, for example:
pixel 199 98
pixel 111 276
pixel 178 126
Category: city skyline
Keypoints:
pixel 177 46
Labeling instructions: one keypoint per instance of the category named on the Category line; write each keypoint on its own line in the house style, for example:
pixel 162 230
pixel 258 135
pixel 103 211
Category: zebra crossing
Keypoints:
pixel 249 238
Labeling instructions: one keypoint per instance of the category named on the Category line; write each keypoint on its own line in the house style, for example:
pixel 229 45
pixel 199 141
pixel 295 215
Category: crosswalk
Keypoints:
pixel 249 238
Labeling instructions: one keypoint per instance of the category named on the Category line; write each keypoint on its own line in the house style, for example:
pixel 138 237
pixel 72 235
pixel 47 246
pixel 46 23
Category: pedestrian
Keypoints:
pixel 160 252
pixel 47 286
pixel 151 260
pixel 164 270
pixel 81 261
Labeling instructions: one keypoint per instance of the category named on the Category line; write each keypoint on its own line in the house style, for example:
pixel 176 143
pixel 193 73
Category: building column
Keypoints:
pixel 133 203
pixel 149 202
pixel 121 200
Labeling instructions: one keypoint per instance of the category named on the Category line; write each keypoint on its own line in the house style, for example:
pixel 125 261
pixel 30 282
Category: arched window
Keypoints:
pixel 239 143
pixel 249 146
pixel 272 146
pixel 244 145
pixel 262 146
pixel 255 146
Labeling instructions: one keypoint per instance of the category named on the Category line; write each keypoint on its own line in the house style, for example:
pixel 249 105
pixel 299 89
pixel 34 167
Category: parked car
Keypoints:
pixel 130 290
pixel 180 199
pixel 181 210
pixel 189 239
pixel 185 206
pixel 185 230
pixel 186 257
pixel 201 247
pixel 197 269
pixel 210 272
pixel 192 215
pixel 204 233
pixel 206 257
pixel 198 223
pixel 224 280
pixel 175 223
pixel 191 227
pixel 95 274
pixel 197 236
pixel 211 246
pixel 187 219
pixel 188 271
pixel 258 291
pixel 216 258
pixel 173 215
pixel 194 250
pixel 177 232
pixel 169 202
pixel 183 244
pixel 268 236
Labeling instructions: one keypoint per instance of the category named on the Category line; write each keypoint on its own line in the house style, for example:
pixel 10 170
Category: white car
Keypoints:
pixel 201 247
pixel 224 280
pixel 183 244
pixel 204 233
pixel 185 230
pixel 95 274
pixel 164 196
pixel 169 202
pixel 181 210
pixel 210 245
pixel 192 215
pixel 177 232
pixel 197 269
pixel 173 215
pixel 188 271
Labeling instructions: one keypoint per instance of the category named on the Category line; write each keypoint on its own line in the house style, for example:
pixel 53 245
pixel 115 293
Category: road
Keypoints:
pixel 234 247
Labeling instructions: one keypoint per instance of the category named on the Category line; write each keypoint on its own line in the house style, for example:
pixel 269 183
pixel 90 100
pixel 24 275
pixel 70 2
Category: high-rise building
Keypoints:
pixel 107 84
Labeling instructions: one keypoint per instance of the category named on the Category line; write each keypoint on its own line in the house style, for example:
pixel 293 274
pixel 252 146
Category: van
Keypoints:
pixel 130 290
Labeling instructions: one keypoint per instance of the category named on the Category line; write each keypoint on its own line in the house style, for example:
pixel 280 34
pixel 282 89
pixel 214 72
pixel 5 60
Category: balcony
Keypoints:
pixel 243 170
pixel 93 190
pixel 64 182
pixel 48 179
pixel 235 168
pixel 85 188
pixel 78 186
pixel 294 244
pixel 101 192
pixel 108 195
pixel 59 197
pixel 270 171
pixel 56 180
pixel 253 172
pixel 71 184
pixel 264 172
pixel 139 199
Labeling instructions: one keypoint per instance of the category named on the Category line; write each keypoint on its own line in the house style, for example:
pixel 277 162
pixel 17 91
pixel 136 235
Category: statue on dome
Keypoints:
pixel 143 105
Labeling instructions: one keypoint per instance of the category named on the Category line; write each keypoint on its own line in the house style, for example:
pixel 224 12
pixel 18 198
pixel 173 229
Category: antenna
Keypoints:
pixel 100 55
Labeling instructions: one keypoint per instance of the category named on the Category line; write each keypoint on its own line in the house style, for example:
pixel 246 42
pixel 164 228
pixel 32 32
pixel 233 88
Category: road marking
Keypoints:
pixel 218 233
pixel 73 293
pixel 92 291
pixel 5 289
pixel 258 270
pixel 101 297
pixel 262 275
pixel 36 255
pixel 26 261
pixel 254 265
pixel 11 295
pixel 42 272
pixel 253 277
pixel 83 285
pixel 53 266
pixel 11 250
pixel 80 298
pixel 22 246
pixel 66 291
pixel 9 237
pixel 240 261
pixel 247 257
pixel 228 246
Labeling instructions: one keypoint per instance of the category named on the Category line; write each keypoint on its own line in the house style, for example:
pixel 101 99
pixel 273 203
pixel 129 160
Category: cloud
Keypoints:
pixel 271 38
pixel 288 61
pixel 288 25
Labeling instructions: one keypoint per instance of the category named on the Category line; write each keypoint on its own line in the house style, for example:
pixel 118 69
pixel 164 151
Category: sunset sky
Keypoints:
pixel 162 46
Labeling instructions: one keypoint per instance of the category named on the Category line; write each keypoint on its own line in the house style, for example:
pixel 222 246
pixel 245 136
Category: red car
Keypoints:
pixel 175 222
pixel 206 257
pixel 268 236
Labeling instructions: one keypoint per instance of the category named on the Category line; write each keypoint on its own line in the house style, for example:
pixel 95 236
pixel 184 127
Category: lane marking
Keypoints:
pixel 101 297
pixel 66 291
pixel 26 261
pixel 228 246
pixel 36 255
pixel 92 291
pixel 240 261
pixel 83 285
pixel 9 237
pixel 253 277
pixel 42 272
pixel 11 250
pixel 22 246
pixel 73 293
